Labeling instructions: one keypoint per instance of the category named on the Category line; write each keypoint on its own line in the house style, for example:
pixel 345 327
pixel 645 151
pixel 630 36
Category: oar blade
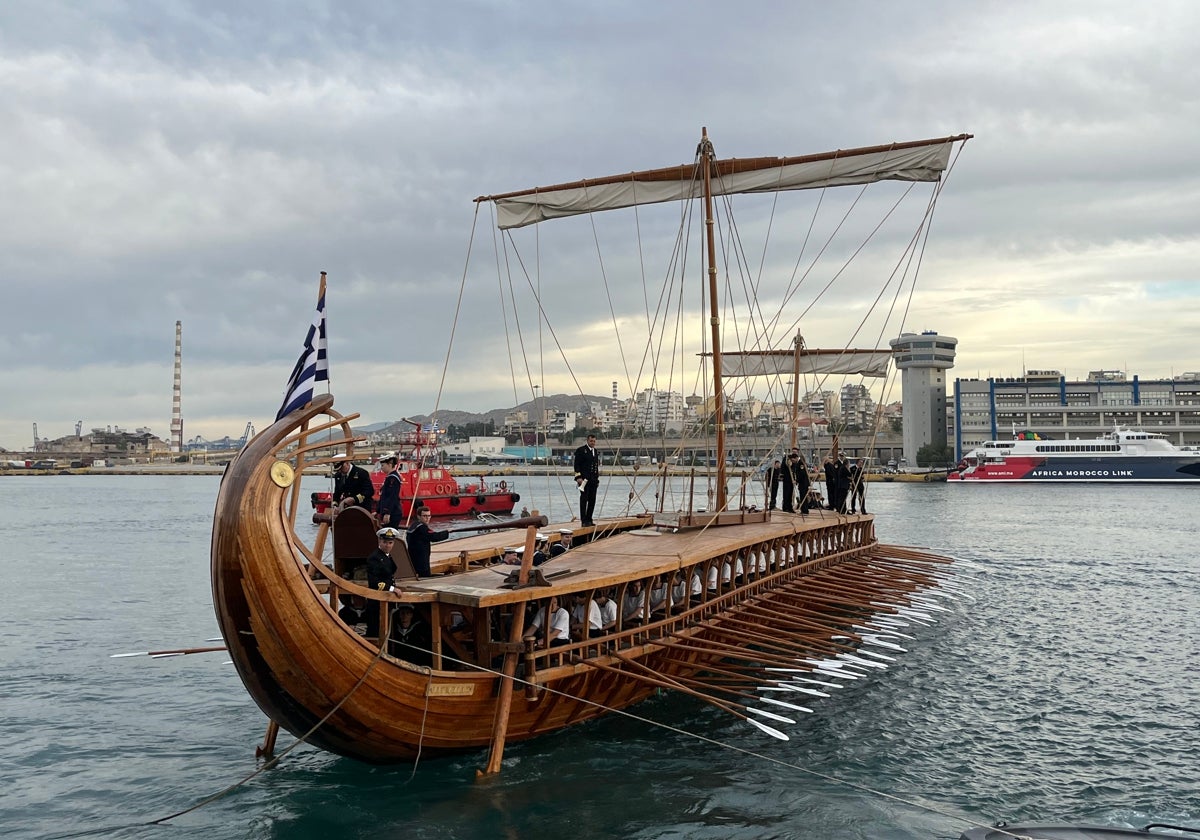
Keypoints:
pixel 774 733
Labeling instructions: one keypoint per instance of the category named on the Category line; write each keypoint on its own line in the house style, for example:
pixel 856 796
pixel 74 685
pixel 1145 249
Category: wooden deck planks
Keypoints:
pixel 614 559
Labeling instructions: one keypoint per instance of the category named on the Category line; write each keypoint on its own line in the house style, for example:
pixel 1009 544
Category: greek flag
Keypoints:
pixel 312 366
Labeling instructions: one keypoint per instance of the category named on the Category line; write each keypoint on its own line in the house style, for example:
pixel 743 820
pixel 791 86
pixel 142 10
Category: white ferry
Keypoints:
pixel 1122 455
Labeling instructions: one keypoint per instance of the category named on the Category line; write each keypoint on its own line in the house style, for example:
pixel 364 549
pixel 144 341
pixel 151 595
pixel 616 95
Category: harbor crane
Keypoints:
pixel 246 435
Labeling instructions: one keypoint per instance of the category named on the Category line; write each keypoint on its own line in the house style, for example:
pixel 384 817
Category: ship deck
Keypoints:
pixel 637 552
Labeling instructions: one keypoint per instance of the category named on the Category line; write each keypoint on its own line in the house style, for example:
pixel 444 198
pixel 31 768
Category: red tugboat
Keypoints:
pixel 423 481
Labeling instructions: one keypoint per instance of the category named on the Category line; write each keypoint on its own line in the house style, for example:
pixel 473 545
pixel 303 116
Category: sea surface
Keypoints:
pixel 1065 688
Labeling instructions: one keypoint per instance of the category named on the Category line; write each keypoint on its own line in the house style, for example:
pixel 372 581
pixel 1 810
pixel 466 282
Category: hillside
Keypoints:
pixel 555 402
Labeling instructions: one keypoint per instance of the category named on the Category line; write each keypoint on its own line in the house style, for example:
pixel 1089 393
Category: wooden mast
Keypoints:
pixel 707 156
pixel 509 668
pixel 799 348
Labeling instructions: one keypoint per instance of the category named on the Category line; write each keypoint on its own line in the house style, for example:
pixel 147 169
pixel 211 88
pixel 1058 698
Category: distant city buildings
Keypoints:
pixel 111 441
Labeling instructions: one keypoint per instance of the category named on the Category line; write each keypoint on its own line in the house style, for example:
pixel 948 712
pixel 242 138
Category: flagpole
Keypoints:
pixel 320 296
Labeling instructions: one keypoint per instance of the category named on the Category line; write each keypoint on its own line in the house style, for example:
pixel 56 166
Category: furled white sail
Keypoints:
pixel 921 161
pixel 819 362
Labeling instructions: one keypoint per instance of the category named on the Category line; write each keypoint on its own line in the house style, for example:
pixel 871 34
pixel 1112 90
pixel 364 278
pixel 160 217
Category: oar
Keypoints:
pixel 159 654
pixel 808 680
pixel 727 705
pixel 691 681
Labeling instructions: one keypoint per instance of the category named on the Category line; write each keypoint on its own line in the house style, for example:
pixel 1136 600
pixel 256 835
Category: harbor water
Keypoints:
pixel 1064 688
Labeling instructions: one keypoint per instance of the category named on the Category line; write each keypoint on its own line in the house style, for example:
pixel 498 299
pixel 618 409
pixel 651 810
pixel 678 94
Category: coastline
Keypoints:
pixel 927 476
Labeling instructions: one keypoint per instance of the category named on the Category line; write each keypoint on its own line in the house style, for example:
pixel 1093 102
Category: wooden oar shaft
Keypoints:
pixel 713 647
pixel 185 651
pixel 785 620
pixel 663 681
pixel 746 632
pixel 523 522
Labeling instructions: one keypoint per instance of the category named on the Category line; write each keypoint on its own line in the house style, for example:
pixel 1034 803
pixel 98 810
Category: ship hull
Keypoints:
pixel 314 676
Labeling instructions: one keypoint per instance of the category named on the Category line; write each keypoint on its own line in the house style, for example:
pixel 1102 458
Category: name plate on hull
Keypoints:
pixel 450 689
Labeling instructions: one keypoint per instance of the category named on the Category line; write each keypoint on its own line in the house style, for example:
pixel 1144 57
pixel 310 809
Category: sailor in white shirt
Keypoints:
pixel 633 605
pixel 560 624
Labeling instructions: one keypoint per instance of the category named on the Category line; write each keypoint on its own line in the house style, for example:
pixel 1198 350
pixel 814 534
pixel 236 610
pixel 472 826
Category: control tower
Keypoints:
pixel 923 361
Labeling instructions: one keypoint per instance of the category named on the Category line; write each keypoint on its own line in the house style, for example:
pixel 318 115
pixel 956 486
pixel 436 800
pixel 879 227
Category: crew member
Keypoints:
pixel 774 479
pixel 799 470
pixel 587 478
pixel 420 539
pixel 389 494
pixel 563 545
pixel 381 568
pixel 352 485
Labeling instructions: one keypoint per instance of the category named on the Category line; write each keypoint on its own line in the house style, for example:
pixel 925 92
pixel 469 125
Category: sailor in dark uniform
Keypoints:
pixel 788 476
pixel 381 568
pixel 389 494
pixel 841 483
pixel 420 541
pixel 352 486
pixel 563 545
pixel 858 486
pixel 381 574
pixel 774 479
pixel 799 470
pixel 357 613
pixel 540 553
pixel 587 476
pixel 830 482
pixel 411 638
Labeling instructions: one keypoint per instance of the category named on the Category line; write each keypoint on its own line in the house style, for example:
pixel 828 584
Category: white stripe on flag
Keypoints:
pixel 312 366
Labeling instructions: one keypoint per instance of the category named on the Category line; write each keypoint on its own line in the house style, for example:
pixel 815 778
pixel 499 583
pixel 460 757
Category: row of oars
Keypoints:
pixel 764 658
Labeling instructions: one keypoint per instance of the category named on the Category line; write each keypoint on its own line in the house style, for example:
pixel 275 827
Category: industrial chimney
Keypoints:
pixel 176 397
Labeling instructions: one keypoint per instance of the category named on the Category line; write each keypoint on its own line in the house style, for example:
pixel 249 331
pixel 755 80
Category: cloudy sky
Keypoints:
pixel 204 161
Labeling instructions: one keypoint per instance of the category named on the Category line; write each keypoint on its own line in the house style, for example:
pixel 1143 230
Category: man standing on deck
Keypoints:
pixel 389 494
pixel 420 541
pixel 858 486
pixel 788 477
pixel 799 470
pixel 830 482
pixel 352 485
pixel 774 479
pixel 587 478
pixel 841 473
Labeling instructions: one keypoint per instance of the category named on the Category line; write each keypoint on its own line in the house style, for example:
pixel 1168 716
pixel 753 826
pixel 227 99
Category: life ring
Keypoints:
pixel 455 501
pixel 443 490
pixel 480 499
pixel 503 484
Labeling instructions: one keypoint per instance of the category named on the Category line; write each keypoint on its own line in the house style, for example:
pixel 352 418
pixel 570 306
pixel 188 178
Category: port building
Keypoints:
pixel 923 360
